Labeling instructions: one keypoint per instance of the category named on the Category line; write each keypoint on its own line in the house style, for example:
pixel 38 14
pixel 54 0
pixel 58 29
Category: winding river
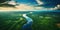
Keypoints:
pixel 27 26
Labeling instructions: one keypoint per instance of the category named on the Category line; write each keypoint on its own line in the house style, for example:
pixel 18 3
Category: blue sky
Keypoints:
pixel 47 3
pixel 27 1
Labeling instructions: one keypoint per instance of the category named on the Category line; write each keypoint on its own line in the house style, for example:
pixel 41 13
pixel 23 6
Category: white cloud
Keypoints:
pixel 24 7
pixel 39 2
pixel 12 2
pixel 27 7
pixel 56 7
pixel 20 7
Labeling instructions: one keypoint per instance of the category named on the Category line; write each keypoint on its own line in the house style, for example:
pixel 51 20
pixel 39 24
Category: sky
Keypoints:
pixel 36 5
pixel 27 1
pixel 46 3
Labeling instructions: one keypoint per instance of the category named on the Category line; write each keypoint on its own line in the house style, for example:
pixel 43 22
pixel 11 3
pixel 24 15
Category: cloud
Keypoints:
pixel 26 7
pixel 21 7
pixel 42 8
pixel 12 2
pixel 39 2
pixel 56 7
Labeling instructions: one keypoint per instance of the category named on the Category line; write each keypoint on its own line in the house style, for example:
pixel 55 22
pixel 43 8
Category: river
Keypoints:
pixel 28 24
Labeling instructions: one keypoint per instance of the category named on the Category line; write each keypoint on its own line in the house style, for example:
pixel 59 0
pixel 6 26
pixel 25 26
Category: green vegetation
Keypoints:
pixel 15 21
pixel 11 21
pixel 45 21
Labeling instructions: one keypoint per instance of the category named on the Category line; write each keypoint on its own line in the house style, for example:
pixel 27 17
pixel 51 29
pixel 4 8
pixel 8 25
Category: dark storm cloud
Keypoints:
pixel 1 1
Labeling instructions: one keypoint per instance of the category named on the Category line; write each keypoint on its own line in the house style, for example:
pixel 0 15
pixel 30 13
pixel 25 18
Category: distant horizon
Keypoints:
pixel 25 10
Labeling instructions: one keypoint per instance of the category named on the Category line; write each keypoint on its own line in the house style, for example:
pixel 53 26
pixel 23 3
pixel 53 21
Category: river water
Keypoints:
pixel 27 26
